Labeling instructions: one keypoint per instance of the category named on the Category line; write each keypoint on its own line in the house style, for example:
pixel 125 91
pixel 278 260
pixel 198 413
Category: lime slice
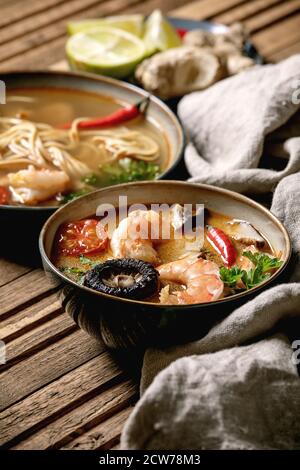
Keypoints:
pixel 105 50
pixel 159 34
pixel 131 23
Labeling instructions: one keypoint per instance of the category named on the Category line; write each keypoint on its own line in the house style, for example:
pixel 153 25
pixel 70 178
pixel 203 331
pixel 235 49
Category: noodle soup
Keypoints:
pixel 42 163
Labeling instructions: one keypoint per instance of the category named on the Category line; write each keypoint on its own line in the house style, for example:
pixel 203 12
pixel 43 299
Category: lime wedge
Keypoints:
pixel 159 34
pixel 105 50
pixel 131 23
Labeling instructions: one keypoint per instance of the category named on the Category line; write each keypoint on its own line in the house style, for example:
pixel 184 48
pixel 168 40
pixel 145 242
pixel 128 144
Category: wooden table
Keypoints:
pixel 59 388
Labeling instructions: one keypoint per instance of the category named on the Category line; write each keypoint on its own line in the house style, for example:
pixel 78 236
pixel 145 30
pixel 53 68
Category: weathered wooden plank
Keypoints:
pixel 244 11
pixel 60 66
pixel 36 59
pixel 45 366
pixel 115 447
pixel 76 422
pixel 55 17
pixel 5 2
pixel 12 13
pixel 52 25
pixel 102 437
pixel 278 36
pixel 62 395
pixel 10 271
pixel 272 15
pixel 37 339
pixel 149 6
pixel 30 317
pixel 204 9
pixel 27 288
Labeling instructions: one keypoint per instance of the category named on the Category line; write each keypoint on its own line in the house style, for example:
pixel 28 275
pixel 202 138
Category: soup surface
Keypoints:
pixel 48 158
pixel 200 260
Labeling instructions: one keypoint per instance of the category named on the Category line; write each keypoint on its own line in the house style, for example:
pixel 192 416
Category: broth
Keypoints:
pixel 175 250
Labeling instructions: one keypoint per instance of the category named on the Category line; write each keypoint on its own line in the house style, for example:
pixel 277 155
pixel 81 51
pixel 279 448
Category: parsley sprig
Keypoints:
pixel 263 265
pixel 124 171
pixel 73 272
pixel 77 273
pixel 231 276
pixel 88 261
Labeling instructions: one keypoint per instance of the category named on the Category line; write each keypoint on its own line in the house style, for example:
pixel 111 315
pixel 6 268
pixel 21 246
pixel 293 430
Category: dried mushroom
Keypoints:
pixel 128 278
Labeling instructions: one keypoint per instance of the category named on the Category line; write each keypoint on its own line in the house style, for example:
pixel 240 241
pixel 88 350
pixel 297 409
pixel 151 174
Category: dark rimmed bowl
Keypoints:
pixel 29 220
pixel 124 323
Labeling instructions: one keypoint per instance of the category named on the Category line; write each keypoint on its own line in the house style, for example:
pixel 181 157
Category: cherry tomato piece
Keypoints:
pixel 4 195
pixel 82 237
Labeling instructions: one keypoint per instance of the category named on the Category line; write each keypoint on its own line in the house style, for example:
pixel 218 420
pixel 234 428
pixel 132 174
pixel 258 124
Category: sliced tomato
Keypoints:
pixel 4 195
pixel 82 237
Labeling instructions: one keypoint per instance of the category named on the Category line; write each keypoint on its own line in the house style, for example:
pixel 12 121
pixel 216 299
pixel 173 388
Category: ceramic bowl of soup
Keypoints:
pixel 127 280
pixel 45 163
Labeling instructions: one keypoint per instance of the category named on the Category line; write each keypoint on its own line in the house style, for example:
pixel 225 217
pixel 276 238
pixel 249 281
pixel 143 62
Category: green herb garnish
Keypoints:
pixel 253 277
pixel 88 261
pixel 230 276
pixel 263 264
pixel 124 171
pixel 74 195
pixel 74 272
pixel 77 272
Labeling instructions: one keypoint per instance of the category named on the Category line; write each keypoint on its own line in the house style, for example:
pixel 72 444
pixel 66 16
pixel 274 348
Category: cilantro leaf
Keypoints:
pixel 263 261
pixel 88 261
pixel 230 276
pixel 253 277
pixel 123 171
pixel 74 195
pixel 74 272
pixel 263 264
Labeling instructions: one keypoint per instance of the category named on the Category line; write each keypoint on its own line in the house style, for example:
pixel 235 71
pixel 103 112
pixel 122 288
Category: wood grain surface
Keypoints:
pixel 60 389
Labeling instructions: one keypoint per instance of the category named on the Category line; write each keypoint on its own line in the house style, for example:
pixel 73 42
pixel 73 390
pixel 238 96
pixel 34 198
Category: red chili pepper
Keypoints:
pixel 4 195
pixel 119 116
pixel 181 32
pixel 222 244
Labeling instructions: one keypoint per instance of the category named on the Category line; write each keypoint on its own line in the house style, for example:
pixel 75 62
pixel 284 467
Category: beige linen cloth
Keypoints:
pixel 238 387
pixel 228 123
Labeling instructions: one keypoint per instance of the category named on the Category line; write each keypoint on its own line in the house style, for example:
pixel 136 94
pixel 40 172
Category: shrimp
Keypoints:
pixel 32 186
pixel 136 235
pixel 139 234
pixel 200 277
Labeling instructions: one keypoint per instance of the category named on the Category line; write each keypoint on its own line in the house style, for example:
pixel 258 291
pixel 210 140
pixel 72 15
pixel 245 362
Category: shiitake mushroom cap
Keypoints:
pixel 126 277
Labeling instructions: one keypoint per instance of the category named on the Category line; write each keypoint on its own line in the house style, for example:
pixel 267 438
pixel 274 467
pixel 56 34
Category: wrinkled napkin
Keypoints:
pixel 228 123
pixel 238 387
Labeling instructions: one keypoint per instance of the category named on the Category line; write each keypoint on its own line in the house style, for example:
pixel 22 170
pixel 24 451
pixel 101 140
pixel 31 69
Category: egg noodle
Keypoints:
pixel 74 151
